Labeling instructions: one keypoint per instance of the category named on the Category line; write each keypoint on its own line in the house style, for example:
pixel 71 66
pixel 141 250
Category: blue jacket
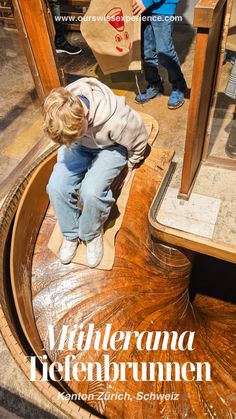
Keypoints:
pixel 161 7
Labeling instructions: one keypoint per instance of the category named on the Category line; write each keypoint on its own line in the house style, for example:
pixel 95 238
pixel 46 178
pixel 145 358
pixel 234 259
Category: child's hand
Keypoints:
pixel 138 7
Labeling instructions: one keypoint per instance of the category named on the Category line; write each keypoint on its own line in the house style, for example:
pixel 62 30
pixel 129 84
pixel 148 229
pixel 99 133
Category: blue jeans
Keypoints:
pixel 158 48
pixel 80 188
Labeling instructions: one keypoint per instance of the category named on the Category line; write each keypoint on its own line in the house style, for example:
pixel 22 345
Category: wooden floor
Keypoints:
pixel 137 294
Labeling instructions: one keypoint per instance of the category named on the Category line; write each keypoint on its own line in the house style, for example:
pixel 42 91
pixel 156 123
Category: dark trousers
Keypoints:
pixel 56 13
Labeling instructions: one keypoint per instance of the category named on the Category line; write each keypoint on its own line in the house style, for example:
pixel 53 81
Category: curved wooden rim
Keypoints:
pixel 12 337
pixel 20 265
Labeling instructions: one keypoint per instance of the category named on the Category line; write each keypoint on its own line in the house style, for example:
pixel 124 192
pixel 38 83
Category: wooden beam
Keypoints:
pixel 7 18
pixel 71 26
pixel 35 28
pixel 27 49
pixel 206 12
pixel 5 9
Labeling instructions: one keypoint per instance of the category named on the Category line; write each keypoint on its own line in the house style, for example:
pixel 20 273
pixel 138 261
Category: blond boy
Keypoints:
pixel 99 135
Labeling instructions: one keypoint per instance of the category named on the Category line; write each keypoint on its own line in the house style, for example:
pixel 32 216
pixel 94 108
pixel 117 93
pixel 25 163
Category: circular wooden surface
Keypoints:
pixel 147 289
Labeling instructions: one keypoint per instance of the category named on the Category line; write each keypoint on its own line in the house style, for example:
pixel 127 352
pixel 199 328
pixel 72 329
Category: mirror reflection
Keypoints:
pixel 222 143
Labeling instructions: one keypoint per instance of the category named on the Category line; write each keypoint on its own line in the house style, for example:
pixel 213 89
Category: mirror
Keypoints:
pixel 222 128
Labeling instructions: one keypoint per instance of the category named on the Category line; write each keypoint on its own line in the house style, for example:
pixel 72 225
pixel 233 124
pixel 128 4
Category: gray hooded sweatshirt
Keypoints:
pixel 110 120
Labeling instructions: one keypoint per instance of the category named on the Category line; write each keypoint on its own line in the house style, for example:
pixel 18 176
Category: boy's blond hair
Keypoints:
pixel 63 115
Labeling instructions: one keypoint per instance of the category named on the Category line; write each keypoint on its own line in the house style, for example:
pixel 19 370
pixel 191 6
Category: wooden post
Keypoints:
pixel 33 29
pixel 209 19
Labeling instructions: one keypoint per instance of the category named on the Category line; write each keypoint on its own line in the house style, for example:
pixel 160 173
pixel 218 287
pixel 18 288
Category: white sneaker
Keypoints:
pixel 95 251
pixel 68 250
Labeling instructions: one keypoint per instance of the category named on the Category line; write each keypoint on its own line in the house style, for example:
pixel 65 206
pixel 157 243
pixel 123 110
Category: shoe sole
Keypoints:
pixel 61 51
pixel 94 266
pixel 172 107
pixel 148 100
pixel 65 262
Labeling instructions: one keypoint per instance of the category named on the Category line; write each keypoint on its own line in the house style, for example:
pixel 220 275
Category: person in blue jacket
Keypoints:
pixel 158 48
